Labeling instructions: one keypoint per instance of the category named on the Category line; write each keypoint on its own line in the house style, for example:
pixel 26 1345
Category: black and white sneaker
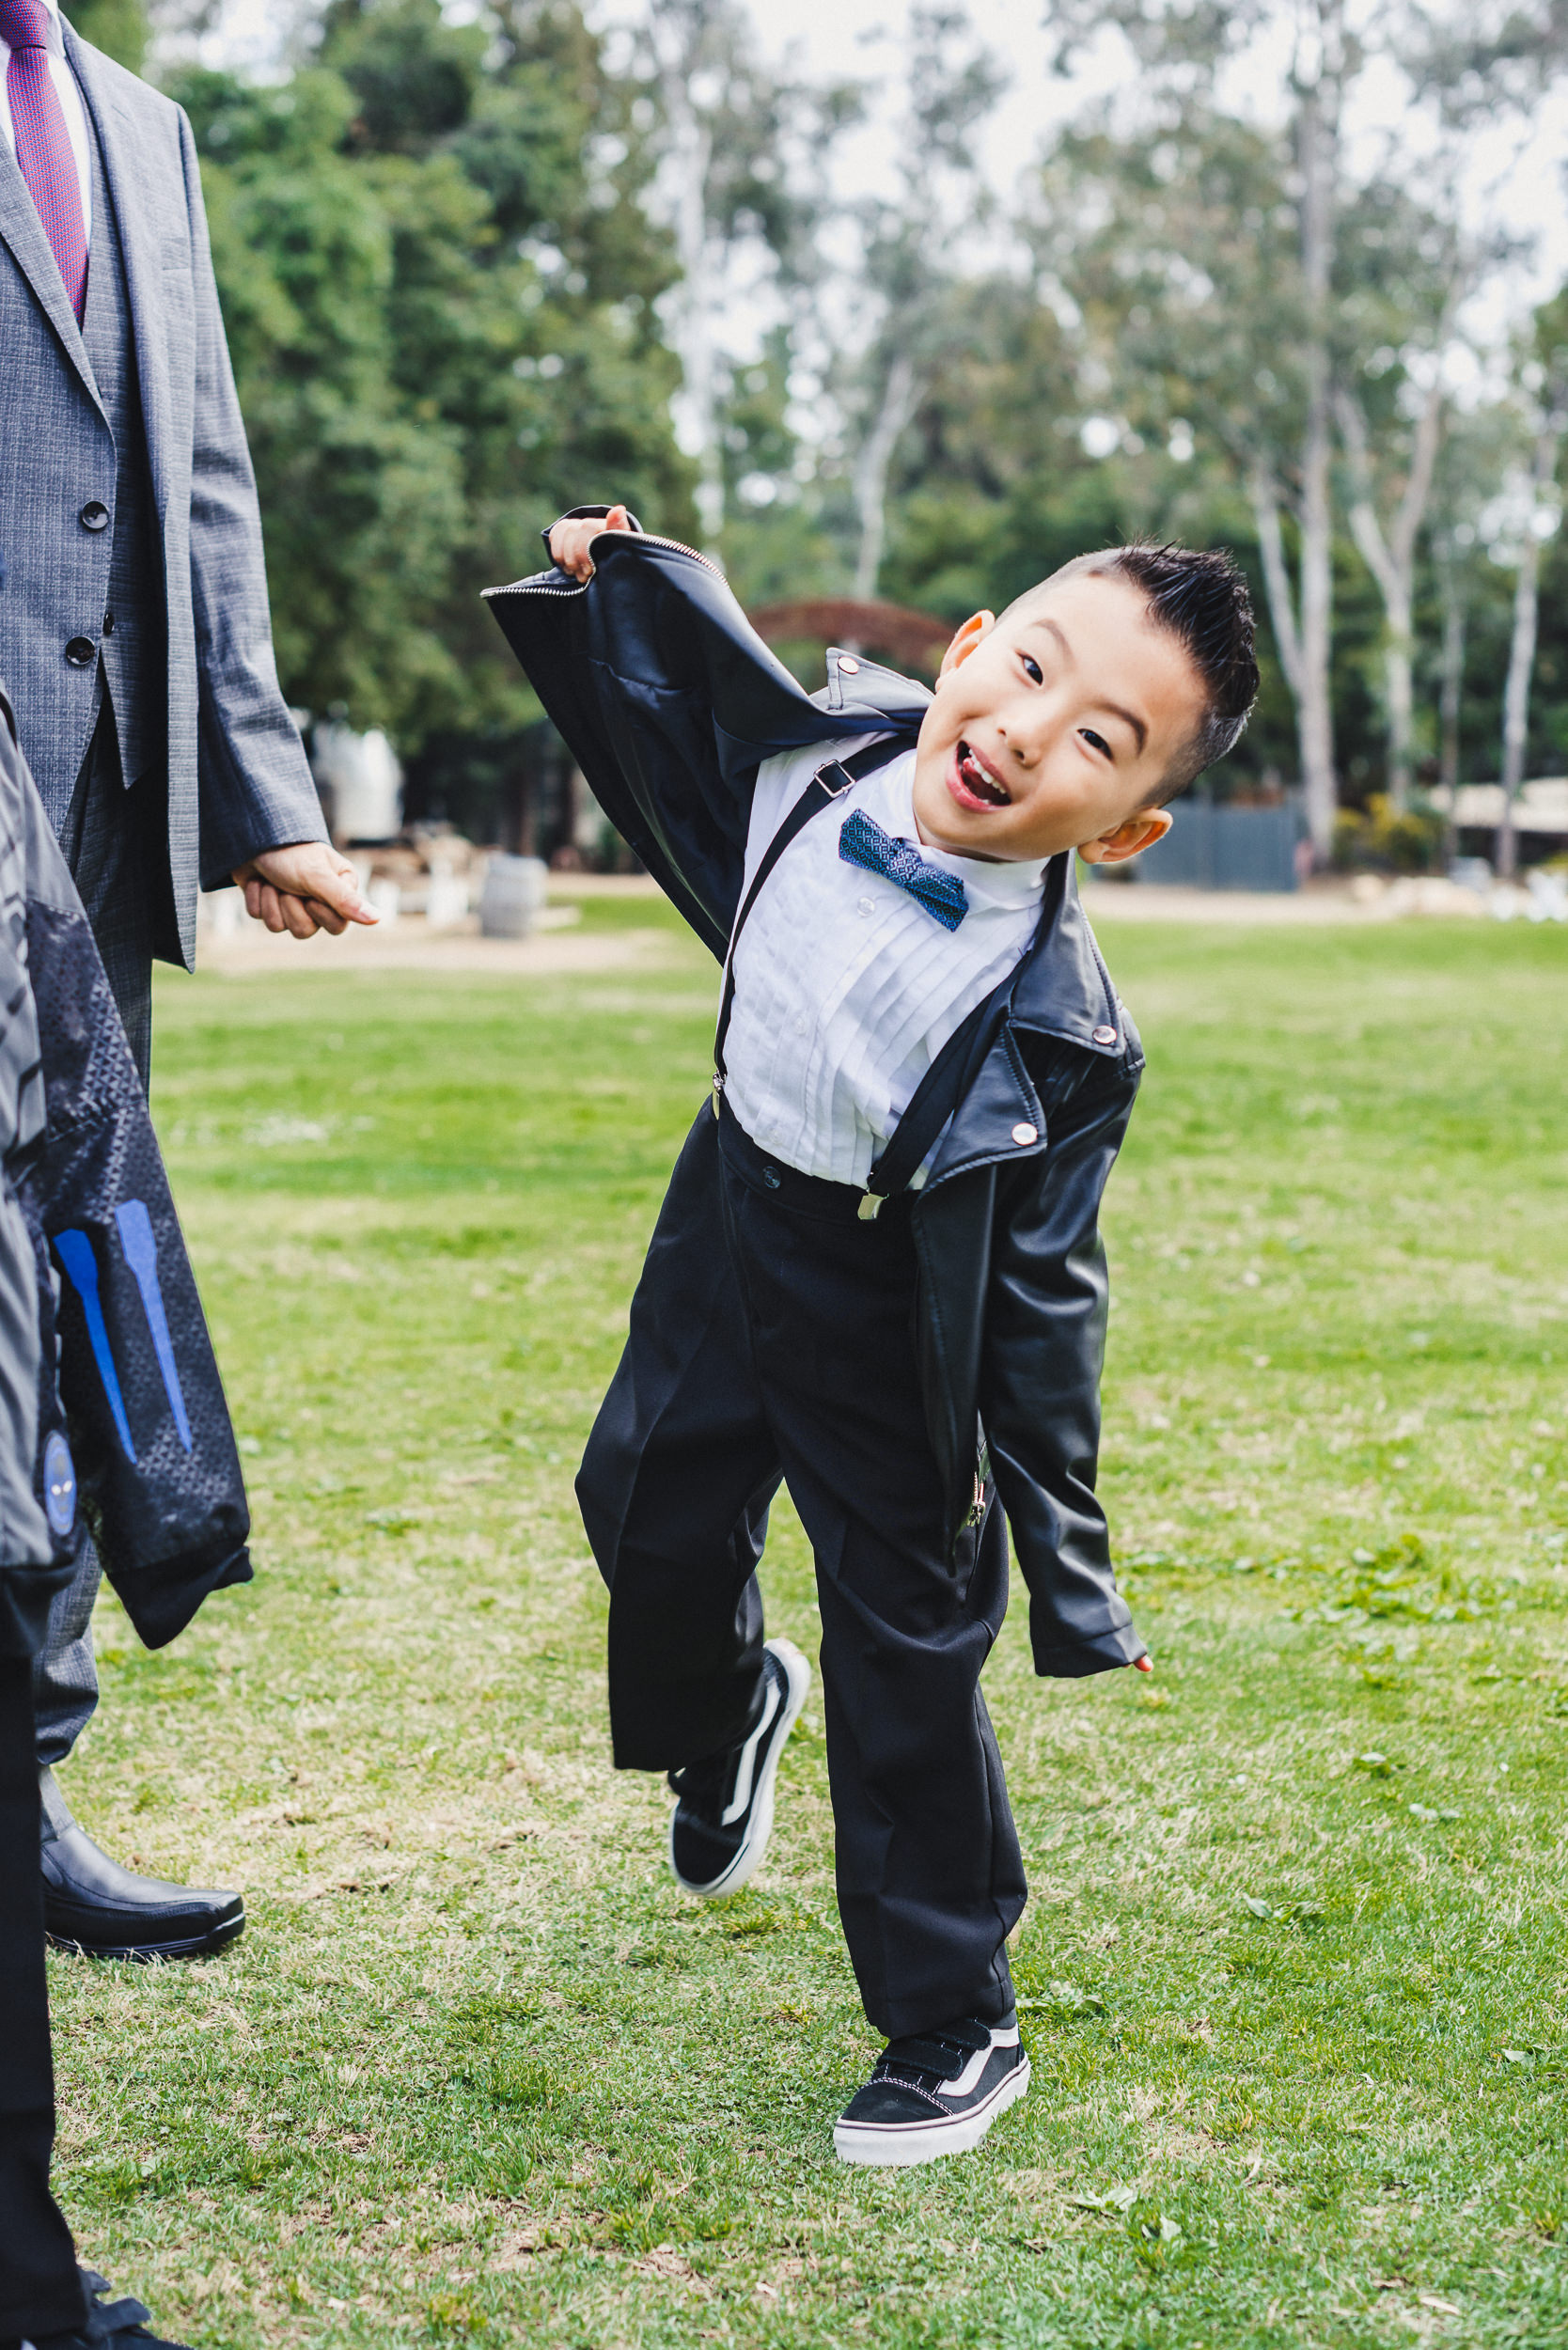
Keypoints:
pixel 723 1816
pixel 936 2092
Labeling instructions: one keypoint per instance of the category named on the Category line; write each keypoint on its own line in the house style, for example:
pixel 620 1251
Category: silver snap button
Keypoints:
pixel 848 667
pixel 1104 1036
pixel 1024 1132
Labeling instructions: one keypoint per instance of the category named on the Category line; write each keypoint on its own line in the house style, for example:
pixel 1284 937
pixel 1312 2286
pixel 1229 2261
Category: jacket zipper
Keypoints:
pixel 648 539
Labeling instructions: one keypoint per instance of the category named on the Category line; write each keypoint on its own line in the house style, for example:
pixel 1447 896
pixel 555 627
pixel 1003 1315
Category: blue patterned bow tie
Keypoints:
pixel 862 842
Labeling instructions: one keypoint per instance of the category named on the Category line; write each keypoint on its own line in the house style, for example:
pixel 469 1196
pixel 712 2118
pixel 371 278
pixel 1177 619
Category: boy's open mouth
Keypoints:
pixel 973 784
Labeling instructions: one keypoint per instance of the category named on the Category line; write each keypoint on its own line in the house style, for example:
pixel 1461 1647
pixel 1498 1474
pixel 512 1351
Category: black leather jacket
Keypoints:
pixel 670 702
pixel 109 1394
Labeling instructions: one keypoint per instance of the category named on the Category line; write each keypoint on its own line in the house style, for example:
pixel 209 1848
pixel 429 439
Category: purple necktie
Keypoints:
pixel 43 148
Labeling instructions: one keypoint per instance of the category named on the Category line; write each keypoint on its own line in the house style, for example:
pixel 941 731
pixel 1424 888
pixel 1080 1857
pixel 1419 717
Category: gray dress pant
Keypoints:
pixel 115 845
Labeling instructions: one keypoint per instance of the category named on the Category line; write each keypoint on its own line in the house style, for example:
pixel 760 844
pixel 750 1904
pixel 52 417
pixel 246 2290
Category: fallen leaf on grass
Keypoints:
pixel 1259 1909
pixel 1444 2308
pixel 1115 2199
pixel 1063 1994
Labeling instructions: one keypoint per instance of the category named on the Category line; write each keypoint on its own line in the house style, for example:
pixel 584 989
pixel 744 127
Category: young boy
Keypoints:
pixel 877 1274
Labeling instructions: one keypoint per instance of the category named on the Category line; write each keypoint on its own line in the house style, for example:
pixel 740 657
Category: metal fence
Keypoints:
pixel 1213 845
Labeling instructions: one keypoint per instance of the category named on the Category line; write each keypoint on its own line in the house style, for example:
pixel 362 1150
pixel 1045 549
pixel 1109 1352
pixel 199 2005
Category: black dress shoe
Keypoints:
pixel 93 1905
pixel 108 2324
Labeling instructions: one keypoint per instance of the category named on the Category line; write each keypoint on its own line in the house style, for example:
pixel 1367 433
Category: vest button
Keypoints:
pixel 108 624
pixel 80 652
pixel 94 515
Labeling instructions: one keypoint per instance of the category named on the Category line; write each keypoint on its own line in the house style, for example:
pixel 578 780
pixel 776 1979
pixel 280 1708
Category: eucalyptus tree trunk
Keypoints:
pixel 1451 702
pixel 1390 557
pixel 1317 79
pixel 1521 650
pixel 674 36
pixel 899 393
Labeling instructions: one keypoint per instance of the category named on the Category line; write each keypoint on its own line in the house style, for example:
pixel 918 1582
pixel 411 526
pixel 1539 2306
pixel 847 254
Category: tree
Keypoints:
pixel 742 156
pixel 1196 252
pixel 1418 283
pixel 119 27
pixel 1236 274
pixel 439 281
pixel 1545 380
pixel 911 243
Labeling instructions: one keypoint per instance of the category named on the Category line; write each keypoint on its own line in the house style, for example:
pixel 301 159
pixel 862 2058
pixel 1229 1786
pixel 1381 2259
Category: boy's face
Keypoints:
pixel 1055 728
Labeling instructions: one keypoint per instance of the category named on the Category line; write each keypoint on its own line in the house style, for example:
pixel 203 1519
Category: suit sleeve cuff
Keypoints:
pixel 1078 1659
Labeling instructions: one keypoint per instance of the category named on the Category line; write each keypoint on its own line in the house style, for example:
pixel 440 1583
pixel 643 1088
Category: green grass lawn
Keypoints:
pixel 1293 1964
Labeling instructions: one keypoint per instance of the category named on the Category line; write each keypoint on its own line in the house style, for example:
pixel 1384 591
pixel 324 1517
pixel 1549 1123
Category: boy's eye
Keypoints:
pixel 1095 742
pixel 1032 669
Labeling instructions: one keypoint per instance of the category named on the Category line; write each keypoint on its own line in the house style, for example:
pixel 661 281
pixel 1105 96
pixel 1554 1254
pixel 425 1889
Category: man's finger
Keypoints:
pixel 340 891
pixel 298 920
pixel 327 919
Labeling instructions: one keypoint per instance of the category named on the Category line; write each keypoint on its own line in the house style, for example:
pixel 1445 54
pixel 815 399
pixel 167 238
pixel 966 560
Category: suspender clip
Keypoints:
pixel 870 1206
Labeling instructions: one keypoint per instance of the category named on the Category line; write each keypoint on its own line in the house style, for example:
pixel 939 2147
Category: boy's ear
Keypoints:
pixel 979 624
pixel 1139 832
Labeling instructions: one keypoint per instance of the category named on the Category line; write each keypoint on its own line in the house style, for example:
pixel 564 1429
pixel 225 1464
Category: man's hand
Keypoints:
pixel 569 541
pixel 302 890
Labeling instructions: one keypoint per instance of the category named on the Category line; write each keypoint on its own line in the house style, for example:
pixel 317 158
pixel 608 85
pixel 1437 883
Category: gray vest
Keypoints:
pixel 132 642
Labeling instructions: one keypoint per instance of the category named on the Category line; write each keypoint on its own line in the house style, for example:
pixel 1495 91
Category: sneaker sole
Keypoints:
pixel 797 1672
pixel 901 2146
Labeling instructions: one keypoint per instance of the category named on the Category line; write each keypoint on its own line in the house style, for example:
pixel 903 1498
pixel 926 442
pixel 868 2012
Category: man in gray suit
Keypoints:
pixel 136 640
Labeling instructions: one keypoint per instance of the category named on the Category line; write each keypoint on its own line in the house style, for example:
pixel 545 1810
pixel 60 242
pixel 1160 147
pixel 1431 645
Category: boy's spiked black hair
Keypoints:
pixel 1203 599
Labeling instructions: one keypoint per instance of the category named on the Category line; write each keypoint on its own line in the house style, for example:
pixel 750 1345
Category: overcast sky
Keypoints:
pixel 858 39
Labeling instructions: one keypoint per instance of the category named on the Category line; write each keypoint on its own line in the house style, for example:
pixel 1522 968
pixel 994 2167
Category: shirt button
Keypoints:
pixel 865 905
pixel 1024 1134
pixel 1104 1036
pixel 80 651
pixel 94 515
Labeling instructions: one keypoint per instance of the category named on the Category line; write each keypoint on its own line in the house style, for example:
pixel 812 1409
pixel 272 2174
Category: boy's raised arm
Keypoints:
pixel 665 695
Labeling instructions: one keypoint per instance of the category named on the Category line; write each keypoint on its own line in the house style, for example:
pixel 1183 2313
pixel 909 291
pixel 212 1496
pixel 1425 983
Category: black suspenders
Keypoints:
pixel 956 1066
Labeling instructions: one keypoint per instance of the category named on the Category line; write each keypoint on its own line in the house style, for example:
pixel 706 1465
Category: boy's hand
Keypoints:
pixel 302 890
pixel 569 541
pixel 1143 1664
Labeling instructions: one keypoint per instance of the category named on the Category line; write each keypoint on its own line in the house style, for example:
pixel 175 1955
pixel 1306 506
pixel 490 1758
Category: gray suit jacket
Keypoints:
pixel 238 780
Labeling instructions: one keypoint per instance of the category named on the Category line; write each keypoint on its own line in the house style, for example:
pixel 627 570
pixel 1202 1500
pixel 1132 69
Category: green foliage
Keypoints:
pixel 1388 840
pixel 438 282
pixel 119 27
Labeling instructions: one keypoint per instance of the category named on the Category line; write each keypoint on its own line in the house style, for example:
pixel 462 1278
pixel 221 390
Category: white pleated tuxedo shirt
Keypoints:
pixel 71 106
pixel 846 988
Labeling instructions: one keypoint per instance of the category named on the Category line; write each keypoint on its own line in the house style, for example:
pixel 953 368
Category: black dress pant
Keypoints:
pixel 116 843
pixel 40 2290
pixel 773 1340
